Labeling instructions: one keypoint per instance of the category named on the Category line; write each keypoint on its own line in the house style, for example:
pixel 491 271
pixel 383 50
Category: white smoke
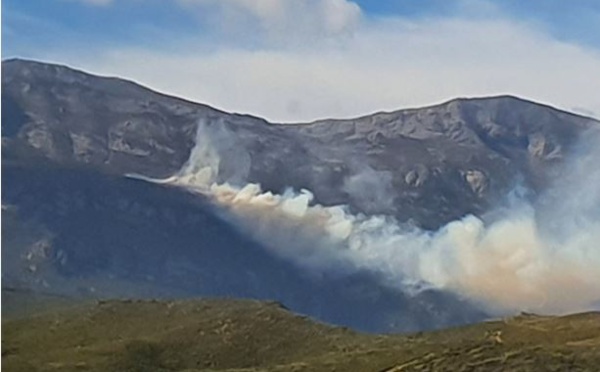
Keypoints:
pixel 370 189
pixel 535 258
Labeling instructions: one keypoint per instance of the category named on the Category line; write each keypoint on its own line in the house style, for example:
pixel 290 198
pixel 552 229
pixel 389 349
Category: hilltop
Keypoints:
pixel 246 335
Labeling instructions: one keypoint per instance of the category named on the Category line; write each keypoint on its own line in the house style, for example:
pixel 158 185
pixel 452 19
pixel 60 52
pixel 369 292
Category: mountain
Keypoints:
pixel 236 335
pixel 75 223
pixel 430 165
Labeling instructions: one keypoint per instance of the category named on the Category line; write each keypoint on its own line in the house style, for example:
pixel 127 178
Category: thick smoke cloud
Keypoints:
pixel 543 257
pixel 206 165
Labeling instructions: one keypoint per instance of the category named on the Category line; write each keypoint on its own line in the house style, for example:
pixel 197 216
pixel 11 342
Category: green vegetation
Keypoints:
pixel 245 335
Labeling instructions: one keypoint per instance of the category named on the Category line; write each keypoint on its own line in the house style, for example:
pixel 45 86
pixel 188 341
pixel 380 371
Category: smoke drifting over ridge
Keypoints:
pixel 543 258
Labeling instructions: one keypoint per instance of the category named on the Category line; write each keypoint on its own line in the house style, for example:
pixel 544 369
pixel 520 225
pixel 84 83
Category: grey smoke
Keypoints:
pixel 207 164
pixel 371 190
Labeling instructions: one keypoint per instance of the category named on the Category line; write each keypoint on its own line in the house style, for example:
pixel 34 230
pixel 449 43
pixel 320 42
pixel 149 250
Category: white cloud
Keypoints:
pixel 278 21
pixel 384 64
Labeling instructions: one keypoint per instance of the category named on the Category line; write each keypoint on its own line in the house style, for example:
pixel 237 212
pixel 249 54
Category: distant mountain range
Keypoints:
pixel 73 223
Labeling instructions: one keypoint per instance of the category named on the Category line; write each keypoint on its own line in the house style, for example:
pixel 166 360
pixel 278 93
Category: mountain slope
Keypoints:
pixel 80 233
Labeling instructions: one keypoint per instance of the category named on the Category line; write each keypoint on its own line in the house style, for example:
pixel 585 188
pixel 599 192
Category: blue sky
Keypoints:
pixel 100 35
pixel 29 25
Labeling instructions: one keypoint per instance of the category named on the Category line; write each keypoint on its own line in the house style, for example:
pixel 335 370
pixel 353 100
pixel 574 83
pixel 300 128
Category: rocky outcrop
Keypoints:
pixel 477 180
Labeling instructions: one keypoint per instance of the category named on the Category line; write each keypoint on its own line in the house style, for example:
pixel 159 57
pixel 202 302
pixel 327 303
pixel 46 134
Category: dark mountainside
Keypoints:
pixel 252 336
pixel 73 224
pixel 77 232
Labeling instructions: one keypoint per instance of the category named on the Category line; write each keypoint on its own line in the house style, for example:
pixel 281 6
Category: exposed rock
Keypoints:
pixel 417 176
pixel 477 180
pixel 543 148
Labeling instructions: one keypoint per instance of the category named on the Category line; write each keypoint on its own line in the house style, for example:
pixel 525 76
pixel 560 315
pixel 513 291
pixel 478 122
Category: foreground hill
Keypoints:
pixel 235 335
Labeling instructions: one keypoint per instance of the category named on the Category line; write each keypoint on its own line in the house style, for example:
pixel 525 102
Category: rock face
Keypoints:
pixel 72 223
pixel 74 118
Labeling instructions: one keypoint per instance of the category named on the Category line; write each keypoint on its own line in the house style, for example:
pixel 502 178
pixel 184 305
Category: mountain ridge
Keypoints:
pixel 499 96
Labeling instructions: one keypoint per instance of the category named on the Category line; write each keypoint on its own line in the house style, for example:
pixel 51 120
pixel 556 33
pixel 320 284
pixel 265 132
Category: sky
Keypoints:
pixel 301 60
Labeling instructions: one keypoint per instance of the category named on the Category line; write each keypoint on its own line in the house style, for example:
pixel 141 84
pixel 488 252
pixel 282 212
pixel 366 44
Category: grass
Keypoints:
pixel 246 335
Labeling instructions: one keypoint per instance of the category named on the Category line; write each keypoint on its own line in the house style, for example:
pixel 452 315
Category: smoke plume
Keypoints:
pixel 543 257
